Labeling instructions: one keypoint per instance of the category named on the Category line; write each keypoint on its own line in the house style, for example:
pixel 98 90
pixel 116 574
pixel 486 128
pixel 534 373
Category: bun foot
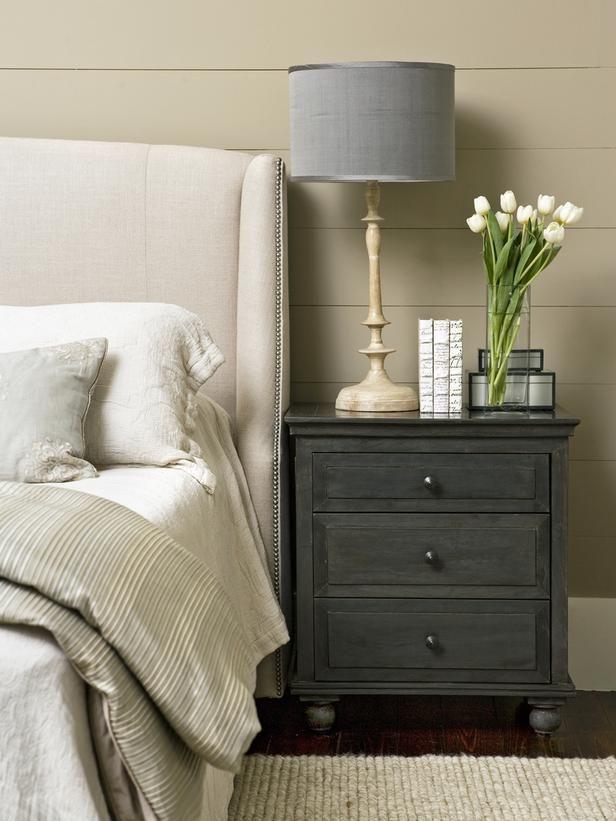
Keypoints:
pixel 320 715
pixel 544 718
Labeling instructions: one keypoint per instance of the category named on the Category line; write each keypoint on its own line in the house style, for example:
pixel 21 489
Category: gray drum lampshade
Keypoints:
pixel 372 121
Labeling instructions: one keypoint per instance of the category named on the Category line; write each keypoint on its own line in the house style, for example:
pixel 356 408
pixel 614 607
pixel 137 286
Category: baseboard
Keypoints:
pixel 592 643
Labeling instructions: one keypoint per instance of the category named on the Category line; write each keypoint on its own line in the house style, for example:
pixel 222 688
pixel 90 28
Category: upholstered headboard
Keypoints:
pixel 202 228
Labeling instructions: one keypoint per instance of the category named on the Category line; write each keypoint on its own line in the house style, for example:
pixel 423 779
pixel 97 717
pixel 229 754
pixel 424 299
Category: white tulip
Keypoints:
pixel 503 220
pixel 545 204
pixel 576 216
pixel 565 212
pixel 482 206
pixel 508 203
pixel 554 233
pixel 568 214
pixel 476 223
pixel 525 212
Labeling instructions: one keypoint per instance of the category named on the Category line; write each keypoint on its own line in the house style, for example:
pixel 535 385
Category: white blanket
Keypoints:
pixel 42 701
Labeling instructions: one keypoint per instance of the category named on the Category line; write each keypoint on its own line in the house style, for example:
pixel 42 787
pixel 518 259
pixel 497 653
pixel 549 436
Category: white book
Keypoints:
pixel 441 366
pixel 426 366
pixel 455 366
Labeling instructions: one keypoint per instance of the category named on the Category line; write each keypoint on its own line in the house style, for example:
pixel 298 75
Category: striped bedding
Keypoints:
pixel 146 624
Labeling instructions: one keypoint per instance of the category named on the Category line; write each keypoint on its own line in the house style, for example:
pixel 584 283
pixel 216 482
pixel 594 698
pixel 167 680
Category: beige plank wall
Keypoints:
pixel 536 111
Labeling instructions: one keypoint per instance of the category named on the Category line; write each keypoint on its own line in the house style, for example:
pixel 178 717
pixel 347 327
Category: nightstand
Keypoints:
pixel 431 556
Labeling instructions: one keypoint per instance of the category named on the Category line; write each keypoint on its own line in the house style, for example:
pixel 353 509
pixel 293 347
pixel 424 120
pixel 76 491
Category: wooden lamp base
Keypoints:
pixel 377 393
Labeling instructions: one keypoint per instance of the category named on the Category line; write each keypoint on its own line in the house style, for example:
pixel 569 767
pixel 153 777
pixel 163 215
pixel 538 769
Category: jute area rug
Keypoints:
pixel 434 788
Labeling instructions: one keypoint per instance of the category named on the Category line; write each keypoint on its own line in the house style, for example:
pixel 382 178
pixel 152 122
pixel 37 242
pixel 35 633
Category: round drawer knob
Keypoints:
pixel 429 483
pixel 431 557
pixel 432 642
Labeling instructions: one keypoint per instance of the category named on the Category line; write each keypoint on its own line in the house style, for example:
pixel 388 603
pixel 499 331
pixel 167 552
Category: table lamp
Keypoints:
pixel 373 122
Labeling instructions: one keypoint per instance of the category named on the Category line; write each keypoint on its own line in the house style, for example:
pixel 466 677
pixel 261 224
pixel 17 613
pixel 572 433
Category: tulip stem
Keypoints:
pixel 532 262
pixel 492 250
pixel 504 317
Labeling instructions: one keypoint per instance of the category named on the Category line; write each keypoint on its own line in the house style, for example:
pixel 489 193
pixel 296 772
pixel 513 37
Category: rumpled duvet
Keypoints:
pixel 146 624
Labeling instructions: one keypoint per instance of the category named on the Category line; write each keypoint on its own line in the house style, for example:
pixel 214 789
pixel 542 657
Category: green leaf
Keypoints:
pixel 487 258
pixel 524 258
pixel 495 231
pixel 544 260
pixel 503 260
pixel 515 256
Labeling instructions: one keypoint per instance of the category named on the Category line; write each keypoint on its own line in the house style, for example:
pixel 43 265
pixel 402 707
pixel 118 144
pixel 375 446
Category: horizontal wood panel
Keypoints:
pixel 580 343
pixel 592 565
pixel 336 332
pixel 439 267
pixel 595 437
pixel 214 109
pixel 276 34
pixel 592 496
pixel 607 35
pixel 185 107
pixel 533 108
pixel 585 176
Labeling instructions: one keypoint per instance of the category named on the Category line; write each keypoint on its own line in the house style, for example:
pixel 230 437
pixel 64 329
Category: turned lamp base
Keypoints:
pixel 377 393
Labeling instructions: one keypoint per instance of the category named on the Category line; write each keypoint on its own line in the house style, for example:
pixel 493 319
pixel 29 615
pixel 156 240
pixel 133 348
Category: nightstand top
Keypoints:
pixel 319 413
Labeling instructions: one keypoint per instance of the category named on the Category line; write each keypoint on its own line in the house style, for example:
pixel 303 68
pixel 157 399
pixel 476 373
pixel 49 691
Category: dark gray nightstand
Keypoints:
pixel 431 556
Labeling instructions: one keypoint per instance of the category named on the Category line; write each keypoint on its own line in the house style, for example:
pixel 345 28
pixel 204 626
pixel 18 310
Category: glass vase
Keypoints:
pixel 507 333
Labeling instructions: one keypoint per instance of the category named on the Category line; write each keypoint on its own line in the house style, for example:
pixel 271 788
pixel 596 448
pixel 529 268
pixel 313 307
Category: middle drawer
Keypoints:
pixel 422 555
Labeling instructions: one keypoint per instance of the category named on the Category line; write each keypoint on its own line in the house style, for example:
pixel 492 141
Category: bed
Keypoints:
pixel 200 228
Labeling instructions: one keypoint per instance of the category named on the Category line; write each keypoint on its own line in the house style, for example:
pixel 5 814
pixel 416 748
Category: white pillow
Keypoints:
pixel 143 406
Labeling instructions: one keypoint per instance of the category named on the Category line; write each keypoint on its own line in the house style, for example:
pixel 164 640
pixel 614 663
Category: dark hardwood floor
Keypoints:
pixel 418 725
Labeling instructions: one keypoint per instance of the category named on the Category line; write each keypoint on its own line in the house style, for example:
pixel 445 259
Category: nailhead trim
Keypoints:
pixel 278 386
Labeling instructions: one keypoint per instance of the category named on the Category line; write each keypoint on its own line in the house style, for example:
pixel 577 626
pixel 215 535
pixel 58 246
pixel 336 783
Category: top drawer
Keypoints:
pixel 431 482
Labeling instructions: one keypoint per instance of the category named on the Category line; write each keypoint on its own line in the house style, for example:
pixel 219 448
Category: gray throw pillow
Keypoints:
pixel 44 398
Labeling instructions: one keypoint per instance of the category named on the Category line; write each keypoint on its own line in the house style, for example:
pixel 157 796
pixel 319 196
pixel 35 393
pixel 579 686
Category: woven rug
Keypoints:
pixel 430 788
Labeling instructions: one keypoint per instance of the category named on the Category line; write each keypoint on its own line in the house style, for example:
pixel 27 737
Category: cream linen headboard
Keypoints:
pixel 202 228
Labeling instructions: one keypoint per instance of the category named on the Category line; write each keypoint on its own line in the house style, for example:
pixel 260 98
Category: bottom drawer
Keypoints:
pixel 432 640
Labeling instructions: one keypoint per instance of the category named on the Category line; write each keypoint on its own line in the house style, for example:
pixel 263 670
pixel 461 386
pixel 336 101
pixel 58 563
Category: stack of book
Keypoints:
pixel 440 366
